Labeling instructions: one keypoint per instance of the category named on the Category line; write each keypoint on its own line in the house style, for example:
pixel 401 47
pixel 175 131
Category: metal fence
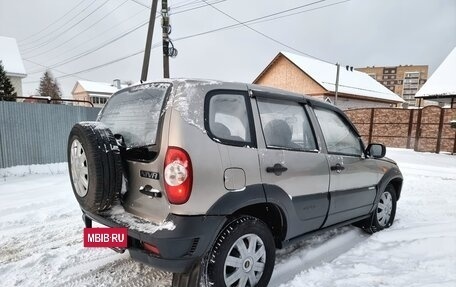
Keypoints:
pixel 37 133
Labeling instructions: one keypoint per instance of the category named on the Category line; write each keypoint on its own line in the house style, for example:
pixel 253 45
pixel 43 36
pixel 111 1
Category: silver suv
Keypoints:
pixel 211 177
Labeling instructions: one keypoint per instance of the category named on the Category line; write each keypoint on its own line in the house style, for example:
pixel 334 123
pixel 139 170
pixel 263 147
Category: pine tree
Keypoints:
pixel 6 88
pixel 49 87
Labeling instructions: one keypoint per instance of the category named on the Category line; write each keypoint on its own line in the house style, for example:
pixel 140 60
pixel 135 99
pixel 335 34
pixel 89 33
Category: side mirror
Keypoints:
pixel 376 150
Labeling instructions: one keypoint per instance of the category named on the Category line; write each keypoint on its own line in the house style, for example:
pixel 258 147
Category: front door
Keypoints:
pixel 294 172
pixel 353 177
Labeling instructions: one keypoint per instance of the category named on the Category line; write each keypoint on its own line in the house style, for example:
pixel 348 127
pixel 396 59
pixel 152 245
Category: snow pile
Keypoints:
pixel 22 170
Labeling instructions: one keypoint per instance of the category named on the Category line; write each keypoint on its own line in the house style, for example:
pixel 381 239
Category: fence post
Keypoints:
pixel 439 134
pixel 371 127
pixel 454 145
pixel 410 126
pixel 418 130
pixel 2 120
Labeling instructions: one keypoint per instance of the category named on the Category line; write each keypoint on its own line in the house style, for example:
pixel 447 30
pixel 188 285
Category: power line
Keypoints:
pixel 193 8
pixel 58 71
pixel 76 57
pixel 141 4
pixel 261 33
pixel 209 32
pixel 45 28
pixel 262 19
pixel 99 34
pixel 63 32
pixel 88 28
pixel 60 26
pixel 73 58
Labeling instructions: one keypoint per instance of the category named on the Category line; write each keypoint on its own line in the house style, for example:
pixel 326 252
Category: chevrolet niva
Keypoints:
pixel 214 176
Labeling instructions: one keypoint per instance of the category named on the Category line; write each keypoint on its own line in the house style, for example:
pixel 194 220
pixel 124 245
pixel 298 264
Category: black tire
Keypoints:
pixel 103 164
pixel 238 228
pixel 374 223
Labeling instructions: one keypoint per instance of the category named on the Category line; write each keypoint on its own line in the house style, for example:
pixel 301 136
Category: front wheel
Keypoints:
pixel 243 255
pixel 385 211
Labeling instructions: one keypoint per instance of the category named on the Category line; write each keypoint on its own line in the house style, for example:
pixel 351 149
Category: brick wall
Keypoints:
pixel 426 130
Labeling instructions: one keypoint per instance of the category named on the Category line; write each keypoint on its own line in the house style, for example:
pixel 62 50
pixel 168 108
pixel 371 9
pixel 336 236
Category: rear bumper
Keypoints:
pixel 179 249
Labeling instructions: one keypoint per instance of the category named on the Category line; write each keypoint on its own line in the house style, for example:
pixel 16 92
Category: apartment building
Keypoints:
pixel 404 81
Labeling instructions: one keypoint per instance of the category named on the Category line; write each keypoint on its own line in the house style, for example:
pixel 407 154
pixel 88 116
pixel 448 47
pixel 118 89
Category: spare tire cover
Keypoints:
pixel 94 165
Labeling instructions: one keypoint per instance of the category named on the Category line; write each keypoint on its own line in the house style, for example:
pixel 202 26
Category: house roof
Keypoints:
pixel 11 58
pixel 350 82
pixel 442 82
pixel 97 87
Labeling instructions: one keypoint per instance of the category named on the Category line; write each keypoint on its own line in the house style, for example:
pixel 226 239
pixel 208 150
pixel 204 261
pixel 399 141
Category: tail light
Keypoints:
pixel 178 175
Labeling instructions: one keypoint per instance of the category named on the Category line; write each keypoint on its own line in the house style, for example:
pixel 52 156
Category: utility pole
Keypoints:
pixel 337 83
pixel 150 33
pixel 166 29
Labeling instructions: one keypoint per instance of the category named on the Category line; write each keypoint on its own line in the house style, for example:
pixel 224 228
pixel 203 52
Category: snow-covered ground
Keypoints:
pixel 41 237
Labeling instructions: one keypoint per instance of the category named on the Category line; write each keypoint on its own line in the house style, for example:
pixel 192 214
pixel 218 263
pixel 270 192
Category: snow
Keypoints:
pixel 41 237
pixel 187 98
pixel 442 81
pixel 99 87
pixel 23 170
pixel 11 57
pixel 350 82
pixel 117 213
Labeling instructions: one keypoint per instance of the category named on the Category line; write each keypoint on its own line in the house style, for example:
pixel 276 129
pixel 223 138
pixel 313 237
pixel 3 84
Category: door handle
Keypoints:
pixel 277 169
pixel 337 168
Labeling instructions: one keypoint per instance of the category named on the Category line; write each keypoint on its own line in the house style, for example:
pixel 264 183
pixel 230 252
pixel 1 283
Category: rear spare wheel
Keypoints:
pixel 94 165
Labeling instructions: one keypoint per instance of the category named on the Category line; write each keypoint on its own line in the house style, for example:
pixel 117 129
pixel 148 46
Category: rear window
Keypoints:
pixel 135 113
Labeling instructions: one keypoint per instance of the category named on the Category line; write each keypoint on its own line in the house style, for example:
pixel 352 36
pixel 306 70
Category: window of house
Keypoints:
pixel 340 137
pixel 286 125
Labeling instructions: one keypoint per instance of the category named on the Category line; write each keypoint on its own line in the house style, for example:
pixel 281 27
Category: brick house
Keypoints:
pixel 316 78
pixel 12 62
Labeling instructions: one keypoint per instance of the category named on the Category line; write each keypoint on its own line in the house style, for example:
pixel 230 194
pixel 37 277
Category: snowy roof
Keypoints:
pixel 11 58
pixel 98 87
pixel 442 82
pixel 350 82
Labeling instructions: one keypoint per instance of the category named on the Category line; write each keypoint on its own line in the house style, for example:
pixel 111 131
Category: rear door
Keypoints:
pixel 353 178
pixel 294 172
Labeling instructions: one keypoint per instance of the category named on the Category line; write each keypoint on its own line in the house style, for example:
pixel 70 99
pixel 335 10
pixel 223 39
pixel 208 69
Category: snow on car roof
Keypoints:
pixel 11 58
pixel 442 81
pixel 350 82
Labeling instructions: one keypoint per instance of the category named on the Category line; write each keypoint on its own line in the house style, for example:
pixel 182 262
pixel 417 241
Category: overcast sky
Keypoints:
pixel 72 36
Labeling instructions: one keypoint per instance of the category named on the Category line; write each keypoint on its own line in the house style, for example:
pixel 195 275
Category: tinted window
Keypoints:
pixel 134 113
pixel 339 136
pixel 228 118
pixel 285 125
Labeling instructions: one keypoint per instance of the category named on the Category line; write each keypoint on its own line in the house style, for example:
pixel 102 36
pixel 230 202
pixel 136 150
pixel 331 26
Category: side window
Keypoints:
pixel 286 125
pixel 340 137
pixel 228 118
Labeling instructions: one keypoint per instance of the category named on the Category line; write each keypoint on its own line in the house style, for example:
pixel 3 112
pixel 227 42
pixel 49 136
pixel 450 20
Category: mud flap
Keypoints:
pixel 188 279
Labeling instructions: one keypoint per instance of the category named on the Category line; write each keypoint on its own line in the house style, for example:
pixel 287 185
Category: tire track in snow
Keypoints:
pixel 113 273
pixel 314 252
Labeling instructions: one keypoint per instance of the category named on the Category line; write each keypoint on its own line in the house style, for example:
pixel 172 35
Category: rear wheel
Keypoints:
pixel 243 255
pixel 94 164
